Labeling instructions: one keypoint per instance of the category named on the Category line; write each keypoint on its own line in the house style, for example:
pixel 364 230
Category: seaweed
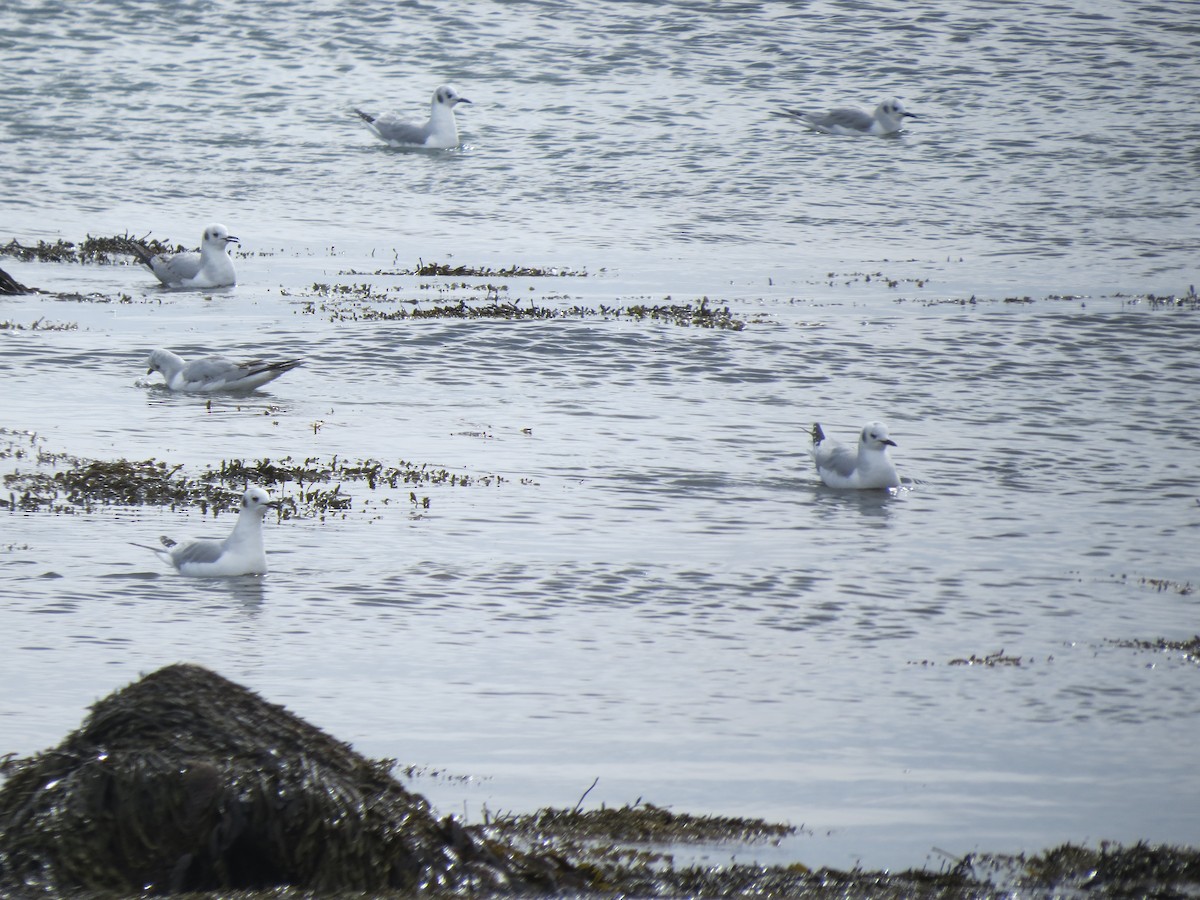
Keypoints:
pixel 10 286
pixel 639 823
pixel 513 271
pixel 39 324
pixel 92 250
pixel 185 781
pixel 1187 649
pixel 1111 870
pixel 991 660
pixel 346 303
pixel 85 484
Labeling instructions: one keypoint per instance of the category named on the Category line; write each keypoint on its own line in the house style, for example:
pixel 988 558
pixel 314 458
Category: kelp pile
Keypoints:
pixel 460 271
pixel 39 325
pixel 1111 870
pixel 359 303
pixel 12 287
pixel 311 487
pixel 185 781
pixel 1187 650
pixel 639 823
pixel 104 251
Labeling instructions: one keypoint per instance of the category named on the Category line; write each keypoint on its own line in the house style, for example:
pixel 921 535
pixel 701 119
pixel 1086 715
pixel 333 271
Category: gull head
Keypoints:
pixel 159 361
pixel 218 237
pixel 257 500
pixel 875 437
pixel 448 97
pixel 894 109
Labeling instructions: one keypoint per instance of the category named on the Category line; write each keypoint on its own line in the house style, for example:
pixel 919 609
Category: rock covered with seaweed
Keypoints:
pixel 185 781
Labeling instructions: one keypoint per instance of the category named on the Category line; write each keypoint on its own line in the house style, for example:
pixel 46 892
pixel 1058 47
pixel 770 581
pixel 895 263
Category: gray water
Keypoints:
pixel 658 592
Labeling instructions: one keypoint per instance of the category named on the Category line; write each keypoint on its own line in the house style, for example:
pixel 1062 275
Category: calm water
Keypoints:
pixel 658 593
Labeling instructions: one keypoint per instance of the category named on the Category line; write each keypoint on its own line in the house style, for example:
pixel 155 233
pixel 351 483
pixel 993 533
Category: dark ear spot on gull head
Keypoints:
pixel 446 95
pixel 257 497
pixel 895 107
pixel 876 431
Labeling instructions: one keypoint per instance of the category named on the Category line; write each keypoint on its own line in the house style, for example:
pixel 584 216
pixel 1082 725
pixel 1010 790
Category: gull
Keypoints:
pixel 888 118
pixel 440 132
pixel 211 267
pixel 843 467
pixel 239 554
pixel 216 373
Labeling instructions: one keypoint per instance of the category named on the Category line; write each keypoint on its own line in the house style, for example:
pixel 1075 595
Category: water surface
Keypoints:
pixel 657 591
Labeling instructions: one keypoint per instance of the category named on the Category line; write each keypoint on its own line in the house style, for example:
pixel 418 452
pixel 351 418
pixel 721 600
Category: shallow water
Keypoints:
pixel 658 592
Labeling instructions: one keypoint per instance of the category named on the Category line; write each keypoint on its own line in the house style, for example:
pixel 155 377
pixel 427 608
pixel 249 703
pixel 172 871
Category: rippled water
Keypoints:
pixel 658 592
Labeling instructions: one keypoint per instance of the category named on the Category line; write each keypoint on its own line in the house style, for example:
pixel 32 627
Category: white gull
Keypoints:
pixel 864 468
pixel 211 267
pixel 440 132
pixel 216 373
pixel 241 553
pixel 888 118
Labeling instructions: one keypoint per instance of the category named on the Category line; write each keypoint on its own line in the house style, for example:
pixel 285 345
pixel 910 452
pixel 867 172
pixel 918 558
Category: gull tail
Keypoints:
pixel 369 119
pixel 162 554
pixel 285 365
pixel 258 366
pixel 792 114
pixel 817 434
pixel 133 248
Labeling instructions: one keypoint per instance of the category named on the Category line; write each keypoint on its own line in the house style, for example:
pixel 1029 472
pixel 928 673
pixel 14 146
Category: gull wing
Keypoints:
pixel 845 117
pixel 836 457
pixel 209 369
pixel 197 552
pixel 391 128
pixel 173 269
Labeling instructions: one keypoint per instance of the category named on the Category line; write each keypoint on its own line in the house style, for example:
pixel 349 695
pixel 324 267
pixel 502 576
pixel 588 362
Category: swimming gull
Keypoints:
pixel 440 132
pixel 843 467
pixel 239 554
pixel 211 267
pixel 216 373
pixel 888 118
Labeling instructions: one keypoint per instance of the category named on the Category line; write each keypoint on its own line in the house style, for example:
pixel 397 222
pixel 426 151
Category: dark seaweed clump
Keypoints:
pixel 641 823
pixel 343 305
pixel 1188 649
pixel 1189 300
pixel 309 487
pixel 39 325
pixel 105 251
pixel 991 660
pixel 11 287
pixel 513 271
pixel 1111 870
pixel 184 781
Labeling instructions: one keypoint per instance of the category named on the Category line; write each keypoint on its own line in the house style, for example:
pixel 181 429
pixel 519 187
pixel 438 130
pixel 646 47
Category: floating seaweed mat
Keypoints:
pixel 186 781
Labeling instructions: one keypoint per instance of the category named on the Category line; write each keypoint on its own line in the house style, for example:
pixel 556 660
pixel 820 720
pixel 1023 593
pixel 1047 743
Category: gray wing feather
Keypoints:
pixel 170 269
pixel 209 368
pixel 197 552
pixel 845 117
pixel 258 366
pixel 217 372
pixel 392 129
pixel 836 456
pixel 167 268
